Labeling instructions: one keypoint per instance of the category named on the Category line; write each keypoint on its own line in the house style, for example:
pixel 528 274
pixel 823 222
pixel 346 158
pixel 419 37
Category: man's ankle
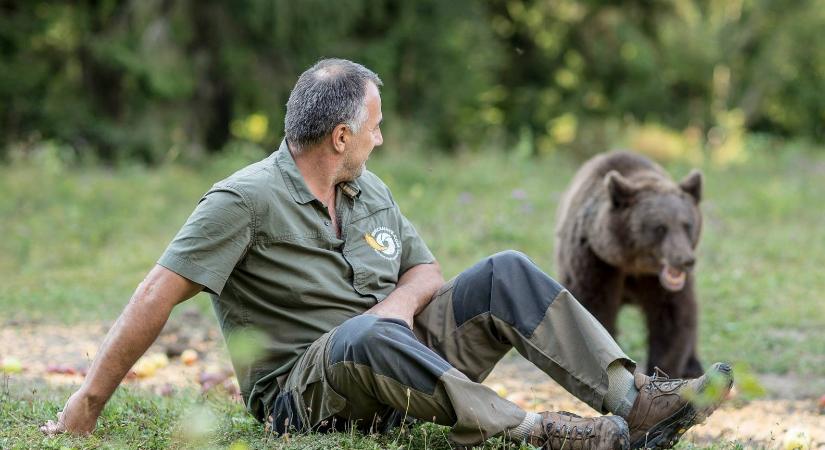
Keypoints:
pixel 621 390
pixel 526 427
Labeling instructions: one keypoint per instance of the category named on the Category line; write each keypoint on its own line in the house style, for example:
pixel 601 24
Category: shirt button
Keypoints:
pixel 326 222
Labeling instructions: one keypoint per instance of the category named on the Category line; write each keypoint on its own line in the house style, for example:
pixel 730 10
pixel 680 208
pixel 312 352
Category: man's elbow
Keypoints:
pixel 164 288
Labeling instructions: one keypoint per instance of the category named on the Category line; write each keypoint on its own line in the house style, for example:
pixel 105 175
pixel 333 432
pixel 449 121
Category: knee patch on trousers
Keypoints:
pixel 389 348
pixel 510 287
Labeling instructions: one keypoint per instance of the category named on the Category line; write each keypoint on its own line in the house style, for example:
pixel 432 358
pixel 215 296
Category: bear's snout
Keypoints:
pixel 674 271
pixel 677 262
pixel 684 262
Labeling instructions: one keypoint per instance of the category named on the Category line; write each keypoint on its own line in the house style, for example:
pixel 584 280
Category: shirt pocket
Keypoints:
pixel 373 249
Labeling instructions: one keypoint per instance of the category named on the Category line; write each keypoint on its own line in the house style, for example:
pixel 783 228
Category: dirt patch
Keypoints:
pixel 60 354
pixel 47 350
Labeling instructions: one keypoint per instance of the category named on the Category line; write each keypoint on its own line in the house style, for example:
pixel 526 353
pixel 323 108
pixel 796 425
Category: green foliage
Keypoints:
pixel 155 80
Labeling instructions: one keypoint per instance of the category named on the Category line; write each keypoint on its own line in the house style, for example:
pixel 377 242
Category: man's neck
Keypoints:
pixel 319 170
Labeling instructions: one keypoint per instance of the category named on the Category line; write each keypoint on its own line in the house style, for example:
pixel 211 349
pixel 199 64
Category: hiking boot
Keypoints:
pixel 665 408
pixel 566 430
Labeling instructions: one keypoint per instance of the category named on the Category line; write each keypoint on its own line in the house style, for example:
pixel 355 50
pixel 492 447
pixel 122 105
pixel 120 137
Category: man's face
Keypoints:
pixel 368 137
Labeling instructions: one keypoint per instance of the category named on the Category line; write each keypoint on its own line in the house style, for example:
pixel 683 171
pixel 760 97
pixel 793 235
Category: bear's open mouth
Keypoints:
pixel 672 278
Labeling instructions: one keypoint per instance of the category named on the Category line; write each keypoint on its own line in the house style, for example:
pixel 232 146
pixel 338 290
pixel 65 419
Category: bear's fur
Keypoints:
pixel 626 233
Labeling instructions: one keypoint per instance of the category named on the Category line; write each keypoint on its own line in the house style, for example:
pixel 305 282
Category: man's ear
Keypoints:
pixel 340 135
pixel 621 189
pixel 692 184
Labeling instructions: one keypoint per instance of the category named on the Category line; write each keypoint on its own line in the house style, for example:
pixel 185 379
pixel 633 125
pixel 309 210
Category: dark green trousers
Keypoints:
pixel 373 371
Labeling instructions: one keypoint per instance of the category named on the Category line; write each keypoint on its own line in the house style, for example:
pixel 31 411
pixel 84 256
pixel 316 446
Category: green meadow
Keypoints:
pixel 76 240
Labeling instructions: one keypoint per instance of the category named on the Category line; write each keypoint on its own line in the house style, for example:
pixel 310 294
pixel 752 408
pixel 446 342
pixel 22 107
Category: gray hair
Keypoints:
pixel 332 92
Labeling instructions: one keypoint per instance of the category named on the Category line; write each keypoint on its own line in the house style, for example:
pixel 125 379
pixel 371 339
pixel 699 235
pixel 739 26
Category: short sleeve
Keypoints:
pixel 212 241
pixel 413 249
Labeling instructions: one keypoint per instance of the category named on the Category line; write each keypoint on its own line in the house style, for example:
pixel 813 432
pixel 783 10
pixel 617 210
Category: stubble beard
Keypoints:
pixel 351 172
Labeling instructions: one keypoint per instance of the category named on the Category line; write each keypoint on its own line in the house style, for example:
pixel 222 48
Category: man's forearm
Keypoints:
pixel 135 330
pixel 418 285
pixel 413 292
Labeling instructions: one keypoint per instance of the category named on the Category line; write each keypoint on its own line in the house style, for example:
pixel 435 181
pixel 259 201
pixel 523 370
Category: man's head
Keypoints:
pixel 336 103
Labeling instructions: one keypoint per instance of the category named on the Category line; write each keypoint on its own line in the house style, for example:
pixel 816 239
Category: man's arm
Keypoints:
pixel 135 330
pixel 413 292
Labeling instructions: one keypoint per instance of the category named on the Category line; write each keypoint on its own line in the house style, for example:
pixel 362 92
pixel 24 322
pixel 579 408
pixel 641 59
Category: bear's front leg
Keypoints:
pixel 694 367
pixel 672 324
pixel 595 284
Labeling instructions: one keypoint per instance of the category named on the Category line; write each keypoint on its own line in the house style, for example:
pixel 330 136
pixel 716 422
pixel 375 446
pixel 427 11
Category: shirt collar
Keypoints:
pixel 295 181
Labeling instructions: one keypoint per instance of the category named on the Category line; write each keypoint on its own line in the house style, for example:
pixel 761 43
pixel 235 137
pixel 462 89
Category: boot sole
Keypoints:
pixel 666 433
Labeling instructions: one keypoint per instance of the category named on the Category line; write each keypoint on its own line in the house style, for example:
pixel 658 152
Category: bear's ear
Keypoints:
pixel 692 184
pixel 621 189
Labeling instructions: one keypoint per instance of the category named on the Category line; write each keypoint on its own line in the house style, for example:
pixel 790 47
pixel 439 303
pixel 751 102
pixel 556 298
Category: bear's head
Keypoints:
pixel 656 223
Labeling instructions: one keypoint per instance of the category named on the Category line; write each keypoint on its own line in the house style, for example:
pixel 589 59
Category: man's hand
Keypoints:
pixel 401 307
pixel 79 416
pixel 413 292
pixel 137 327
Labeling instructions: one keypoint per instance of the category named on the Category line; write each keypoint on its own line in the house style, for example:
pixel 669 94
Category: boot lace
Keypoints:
pixel 556 429
pixel 662 381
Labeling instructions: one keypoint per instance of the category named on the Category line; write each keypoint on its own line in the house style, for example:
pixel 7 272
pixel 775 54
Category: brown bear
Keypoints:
pixel 626 233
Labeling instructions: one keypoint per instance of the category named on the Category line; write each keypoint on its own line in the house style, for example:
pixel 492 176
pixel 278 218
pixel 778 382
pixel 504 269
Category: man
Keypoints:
pixel 310 249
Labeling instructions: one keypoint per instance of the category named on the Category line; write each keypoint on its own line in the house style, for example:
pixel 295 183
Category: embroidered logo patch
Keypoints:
pixel 384 241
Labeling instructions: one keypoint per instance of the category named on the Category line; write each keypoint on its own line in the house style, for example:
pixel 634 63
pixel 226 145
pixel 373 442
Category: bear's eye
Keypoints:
pixel 688 228
pixel 659 231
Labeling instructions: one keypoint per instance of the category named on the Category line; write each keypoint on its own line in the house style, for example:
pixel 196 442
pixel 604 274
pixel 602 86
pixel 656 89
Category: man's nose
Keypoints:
pixel 379 139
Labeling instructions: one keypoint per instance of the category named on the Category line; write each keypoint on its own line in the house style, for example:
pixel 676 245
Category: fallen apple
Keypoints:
pixel 796 439
pixel 500 390
pixel 10 364
pixel 61 369
pixel 159 360
pixel 208 379
pixel 189 357
pixel 144 367
pixel 167 390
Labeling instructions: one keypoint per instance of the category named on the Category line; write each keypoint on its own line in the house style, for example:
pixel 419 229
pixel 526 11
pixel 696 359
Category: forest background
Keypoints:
pixel 161 80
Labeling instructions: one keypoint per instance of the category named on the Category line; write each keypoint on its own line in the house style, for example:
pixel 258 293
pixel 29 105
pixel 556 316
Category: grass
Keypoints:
pixel 76 241
pixel 187 420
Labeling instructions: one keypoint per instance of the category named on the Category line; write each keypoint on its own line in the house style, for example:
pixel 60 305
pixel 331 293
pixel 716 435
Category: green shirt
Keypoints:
pixel 264 247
